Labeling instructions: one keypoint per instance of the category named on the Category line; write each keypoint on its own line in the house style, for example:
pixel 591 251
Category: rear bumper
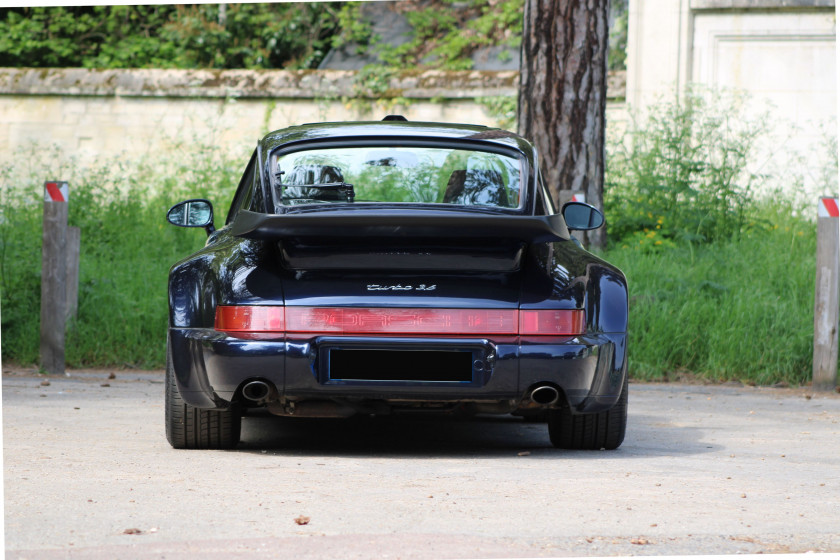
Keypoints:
pixel 211 367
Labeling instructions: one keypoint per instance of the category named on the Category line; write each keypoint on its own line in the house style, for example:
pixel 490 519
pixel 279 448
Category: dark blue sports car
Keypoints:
pixel 392 267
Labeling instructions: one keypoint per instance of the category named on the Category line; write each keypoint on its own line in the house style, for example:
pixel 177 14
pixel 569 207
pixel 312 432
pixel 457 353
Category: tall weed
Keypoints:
pixel 126 247
pixel 736 309
pixel 720 265
pixel 721 279
pixel 681 174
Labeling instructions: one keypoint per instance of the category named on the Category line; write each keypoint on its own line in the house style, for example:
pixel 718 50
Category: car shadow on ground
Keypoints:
pixel 444 436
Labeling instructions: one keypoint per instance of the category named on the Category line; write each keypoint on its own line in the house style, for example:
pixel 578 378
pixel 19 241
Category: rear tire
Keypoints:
pixel 598 430
pixel 188 427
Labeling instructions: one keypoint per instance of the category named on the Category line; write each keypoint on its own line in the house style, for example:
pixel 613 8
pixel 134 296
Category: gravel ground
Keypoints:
pixel 704 470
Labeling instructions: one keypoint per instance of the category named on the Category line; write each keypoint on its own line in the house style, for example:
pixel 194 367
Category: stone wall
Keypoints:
pixel 94 113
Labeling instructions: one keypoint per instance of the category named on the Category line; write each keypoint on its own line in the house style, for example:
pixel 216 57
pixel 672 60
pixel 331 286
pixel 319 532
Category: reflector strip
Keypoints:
pixel 373 320
pixel 348 320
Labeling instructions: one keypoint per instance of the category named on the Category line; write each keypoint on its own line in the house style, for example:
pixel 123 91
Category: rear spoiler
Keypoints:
pixel 404 223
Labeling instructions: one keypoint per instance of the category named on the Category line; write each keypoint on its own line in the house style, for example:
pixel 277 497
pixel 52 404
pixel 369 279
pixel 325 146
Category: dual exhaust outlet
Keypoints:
pixel 258 391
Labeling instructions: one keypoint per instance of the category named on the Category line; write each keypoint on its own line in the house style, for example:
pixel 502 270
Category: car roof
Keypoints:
pixel 386 129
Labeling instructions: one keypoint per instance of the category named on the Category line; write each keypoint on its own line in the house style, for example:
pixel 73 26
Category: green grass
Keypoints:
pixel 126 250
pixel 721 279
pixel 731 310
pixel 738 308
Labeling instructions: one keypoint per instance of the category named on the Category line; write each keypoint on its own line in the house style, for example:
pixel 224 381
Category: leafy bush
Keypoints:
pixel 682 174
pixel 446 32
pixel 353 28
pixel 169 36
pixel 721 277
pixel 278 35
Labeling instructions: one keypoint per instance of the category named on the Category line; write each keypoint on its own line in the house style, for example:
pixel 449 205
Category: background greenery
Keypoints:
pixel 169 36
pixel 273 35
pixel 721 278
pixel 126 248
pixel 721 267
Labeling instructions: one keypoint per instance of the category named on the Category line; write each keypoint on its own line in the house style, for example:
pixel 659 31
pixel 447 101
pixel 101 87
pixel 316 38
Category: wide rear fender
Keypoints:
pixel 193 293
pixel 606 299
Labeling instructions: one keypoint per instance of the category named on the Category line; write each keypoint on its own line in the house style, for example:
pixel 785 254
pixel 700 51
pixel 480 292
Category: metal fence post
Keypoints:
pixel 54 277
pixel 826 298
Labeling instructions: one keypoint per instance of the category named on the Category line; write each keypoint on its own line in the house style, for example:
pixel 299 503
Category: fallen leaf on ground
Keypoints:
pixel 302 520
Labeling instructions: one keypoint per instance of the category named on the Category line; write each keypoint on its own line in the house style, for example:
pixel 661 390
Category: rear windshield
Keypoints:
pixel 397 175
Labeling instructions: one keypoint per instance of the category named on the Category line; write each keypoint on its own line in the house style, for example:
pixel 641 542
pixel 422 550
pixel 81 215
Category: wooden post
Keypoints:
pixel 73 248
pixel 826 297
pixel 54 277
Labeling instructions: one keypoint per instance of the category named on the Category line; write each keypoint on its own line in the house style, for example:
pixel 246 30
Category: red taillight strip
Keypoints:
pixel 385 320
pixel 348 320
pixel 250 318
pixel 554 322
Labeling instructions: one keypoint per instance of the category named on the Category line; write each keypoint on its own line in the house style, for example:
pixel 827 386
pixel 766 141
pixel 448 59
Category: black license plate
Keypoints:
pixel 441 366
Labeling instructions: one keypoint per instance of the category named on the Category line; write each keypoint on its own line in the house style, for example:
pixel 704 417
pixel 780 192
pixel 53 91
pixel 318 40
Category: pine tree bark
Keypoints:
pixel 563 94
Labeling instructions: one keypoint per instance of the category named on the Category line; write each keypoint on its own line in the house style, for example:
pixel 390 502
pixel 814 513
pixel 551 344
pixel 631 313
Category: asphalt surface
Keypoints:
pixel 704 470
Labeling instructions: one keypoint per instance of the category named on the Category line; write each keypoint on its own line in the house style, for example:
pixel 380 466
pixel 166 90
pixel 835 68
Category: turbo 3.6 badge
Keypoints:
pixel 401 288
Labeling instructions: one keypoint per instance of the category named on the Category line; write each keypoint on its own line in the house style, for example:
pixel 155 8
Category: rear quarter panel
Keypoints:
pixel 228 269
pixel 562 275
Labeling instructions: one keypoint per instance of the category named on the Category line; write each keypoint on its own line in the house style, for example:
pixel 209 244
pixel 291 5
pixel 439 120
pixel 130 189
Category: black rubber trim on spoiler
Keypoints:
pixel 399 223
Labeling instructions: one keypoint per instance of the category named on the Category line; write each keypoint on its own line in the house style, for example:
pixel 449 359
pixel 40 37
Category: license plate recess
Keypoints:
pixel 401 365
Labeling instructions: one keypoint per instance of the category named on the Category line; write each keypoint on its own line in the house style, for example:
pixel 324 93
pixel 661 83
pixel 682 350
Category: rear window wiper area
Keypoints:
pixel 330 192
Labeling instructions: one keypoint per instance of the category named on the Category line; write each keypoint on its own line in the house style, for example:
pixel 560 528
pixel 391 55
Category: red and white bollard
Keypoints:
pixel 826 309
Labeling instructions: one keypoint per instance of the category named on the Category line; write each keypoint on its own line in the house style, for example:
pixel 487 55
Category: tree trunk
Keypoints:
pixel 563 94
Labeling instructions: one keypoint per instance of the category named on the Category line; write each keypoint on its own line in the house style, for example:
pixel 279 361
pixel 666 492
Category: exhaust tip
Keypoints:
pixel 545 395
pixel 256 391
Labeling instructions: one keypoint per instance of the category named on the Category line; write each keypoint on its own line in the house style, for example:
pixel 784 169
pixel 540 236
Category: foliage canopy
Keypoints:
pixel 169 36
pixel 258 36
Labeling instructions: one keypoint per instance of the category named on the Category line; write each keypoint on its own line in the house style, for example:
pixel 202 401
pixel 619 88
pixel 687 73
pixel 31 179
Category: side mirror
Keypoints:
pixel 192 213
pixel 581 216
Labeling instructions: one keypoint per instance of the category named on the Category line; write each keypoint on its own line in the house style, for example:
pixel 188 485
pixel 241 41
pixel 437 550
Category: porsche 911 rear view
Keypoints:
pixel 389 268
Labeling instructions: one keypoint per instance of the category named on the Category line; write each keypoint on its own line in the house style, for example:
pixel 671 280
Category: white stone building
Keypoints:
pixel 782 53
